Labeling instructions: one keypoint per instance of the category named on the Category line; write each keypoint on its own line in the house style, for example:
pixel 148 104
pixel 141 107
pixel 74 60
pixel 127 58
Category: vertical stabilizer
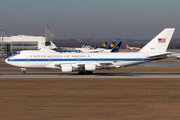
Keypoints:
pixel 116 47
pixel 104 45
pixel 160 42
pixel 49 34
pixel 111 45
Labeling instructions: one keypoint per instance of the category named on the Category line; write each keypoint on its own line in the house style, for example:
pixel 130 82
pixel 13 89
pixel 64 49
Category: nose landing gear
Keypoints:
pixel 23 70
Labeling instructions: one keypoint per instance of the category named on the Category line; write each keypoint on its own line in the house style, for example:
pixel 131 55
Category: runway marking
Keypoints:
pixel 96 75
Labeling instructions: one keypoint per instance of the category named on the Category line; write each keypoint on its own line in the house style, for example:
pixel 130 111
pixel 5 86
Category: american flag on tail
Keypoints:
pixel 162 40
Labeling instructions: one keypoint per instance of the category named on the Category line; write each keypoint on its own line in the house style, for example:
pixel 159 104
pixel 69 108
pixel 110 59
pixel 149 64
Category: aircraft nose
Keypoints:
pixel 6 60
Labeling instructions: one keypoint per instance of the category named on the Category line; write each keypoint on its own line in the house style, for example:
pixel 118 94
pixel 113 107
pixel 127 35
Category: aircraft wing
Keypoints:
pixel 105 63
pixel 82 64
pixel 60 64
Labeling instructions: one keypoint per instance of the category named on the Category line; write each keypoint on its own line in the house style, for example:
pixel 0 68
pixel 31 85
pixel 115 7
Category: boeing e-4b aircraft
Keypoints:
pixel 88 62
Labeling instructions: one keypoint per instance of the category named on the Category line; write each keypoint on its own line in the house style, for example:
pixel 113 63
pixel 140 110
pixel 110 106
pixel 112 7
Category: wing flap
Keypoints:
pixel 105 63
pixel 73 64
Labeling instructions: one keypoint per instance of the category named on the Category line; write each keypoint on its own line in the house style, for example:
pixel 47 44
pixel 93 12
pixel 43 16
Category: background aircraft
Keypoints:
pixel 88 62
pixel 94 47
pixel 89 47
pixel 101 49
pixel 176 55
pixel 132 48
pixel 104 45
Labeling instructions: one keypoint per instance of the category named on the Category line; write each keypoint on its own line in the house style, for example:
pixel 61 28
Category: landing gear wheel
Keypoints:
pixel 23 72
pixel 81 72
pixel 89 72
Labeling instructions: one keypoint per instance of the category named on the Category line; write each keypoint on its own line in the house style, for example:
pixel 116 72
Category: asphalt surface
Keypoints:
pixel 143 92
pixel 95 75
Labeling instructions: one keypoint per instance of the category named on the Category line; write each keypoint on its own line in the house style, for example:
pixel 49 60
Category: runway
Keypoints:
pixel 96 75
pixel 162 69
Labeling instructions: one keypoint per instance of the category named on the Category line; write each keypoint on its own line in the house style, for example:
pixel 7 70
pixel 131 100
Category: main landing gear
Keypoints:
pixel 85 72
pixel 89 72
pixel 23 70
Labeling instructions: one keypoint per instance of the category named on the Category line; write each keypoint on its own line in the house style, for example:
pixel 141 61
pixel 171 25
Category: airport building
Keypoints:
pixel 11 44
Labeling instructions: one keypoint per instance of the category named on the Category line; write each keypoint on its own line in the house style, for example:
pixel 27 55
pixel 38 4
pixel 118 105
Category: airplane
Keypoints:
pixel 94 47
pixel 175 55
pixel 85 63
pixel 112 47
pixel 104 45
pixel 116 47
pixel 89 47
pixel 101 49
pixel 85 46
pixel 132 48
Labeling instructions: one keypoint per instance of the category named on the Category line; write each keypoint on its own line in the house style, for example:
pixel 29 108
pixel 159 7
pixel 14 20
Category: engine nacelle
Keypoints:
pixel 66 68
pixel 90 67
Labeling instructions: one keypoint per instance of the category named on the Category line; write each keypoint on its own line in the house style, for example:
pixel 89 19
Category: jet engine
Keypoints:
pixel 66 68
pixel 91 67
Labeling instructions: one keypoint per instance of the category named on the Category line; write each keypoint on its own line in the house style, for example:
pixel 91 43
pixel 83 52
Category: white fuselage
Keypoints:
pixel 42 59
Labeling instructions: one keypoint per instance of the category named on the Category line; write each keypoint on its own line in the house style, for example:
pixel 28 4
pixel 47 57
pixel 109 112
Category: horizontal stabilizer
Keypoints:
pixel 160 55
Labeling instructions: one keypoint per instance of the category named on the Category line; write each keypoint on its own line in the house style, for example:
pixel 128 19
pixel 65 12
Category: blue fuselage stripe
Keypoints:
pixel 89 59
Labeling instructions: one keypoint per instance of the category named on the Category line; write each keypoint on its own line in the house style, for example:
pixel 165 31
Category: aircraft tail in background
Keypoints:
pixel 111 45
pixel 104 45
pixel 116 47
